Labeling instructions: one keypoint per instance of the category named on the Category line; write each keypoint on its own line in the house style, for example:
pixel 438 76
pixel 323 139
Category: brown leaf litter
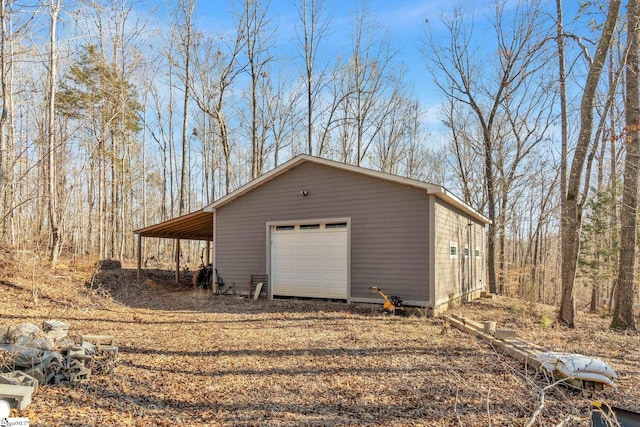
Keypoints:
pixel 190 358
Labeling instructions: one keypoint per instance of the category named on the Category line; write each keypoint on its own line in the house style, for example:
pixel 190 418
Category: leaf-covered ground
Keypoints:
pixel 190 358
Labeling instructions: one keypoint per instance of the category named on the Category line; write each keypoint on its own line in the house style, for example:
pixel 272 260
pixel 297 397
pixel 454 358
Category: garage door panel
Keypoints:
pixel 310 263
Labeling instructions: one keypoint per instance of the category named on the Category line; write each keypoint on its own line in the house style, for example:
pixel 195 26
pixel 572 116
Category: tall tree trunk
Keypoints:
pixel 257 44
pixel 5 114
pixel 613 213
pixel 113 203
pixel 171 143
pixel 226 149
pixel 623 313
pixel 187 8
pixel 491 205
pixel 562 84
pixel 564 133
pixel 502 233
pixel 91 207
pixel 312 28
pixel 571 201
pixel 51 187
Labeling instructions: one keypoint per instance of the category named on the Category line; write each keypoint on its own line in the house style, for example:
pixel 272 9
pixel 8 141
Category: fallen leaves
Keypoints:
pixel 188 357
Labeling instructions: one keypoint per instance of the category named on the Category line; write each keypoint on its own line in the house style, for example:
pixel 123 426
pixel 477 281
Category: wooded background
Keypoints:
pixel 121 114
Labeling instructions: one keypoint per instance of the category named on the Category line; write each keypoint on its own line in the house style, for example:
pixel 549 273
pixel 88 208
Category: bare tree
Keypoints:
pixel 599 241
pixel 500 102
pixel 465 153
pixel 331 114
pixel 371 82
pixel 562 90
pixel 5 116
pixel 623 317
pixel 313 28
pixel 280 112
pixel 572 201
pixel 186 7
pixel 162 131
pixel 528 120
pixel 15 20
pixel 98 111
pixel 424 162
pixel 216 69
pixel 400 125
pixel 257 32
pixel 51 124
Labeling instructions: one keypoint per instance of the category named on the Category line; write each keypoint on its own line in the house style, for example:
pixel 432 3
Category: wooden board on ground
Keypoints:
pixel 514 347
pixel 256 293
pixel 517 348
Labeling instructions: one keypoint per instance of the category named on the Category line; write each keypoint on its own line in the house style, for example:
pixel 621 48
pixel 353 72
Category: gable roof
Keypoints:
pixel 437 190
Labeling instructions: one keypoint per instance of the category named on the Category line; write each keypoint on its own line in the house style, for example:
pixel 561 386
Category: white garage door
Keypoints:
pixel 310 260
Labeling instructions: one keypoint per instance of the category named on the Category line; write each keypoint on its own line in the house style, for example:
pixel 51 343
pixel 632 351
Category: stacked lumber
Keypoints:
pixel 504 340
pixel 575 370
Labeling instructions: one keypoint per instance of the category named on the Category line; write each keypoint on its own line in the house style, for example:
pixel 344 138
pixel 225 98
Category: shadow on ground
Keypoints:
pixel 159 291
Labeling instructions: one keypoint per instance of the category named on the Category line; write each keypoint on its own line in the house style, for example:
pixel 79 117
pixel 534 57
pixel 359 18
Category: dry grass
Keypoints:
pixel 190 358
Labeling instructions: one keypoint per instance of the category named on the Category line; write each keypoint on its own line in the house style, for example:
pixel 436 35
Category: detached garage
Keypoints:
pixel 323 229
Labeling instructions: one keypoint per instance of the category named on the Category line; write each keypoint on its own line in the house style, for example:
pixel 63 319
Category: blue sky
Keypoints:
pixel 403 19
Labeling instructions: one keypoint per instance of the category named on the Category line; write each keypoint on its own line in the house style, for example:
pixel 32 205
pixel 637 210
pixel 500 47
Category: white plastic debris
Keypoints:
pixel 55 329
pixel 28 330
pixel 579 367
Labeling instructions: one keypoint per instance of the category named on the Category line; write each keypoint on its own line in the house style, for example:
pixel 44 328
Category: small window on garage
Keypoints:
pixel 336 225
pixel 453 250
pixel 285 227
pixel 310 227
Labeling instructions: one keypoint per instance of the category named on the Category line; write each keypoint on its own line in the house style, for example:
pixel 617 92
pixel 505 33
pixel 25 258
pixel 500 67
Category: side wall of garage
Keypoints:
pixel 459 276
pixel 388 228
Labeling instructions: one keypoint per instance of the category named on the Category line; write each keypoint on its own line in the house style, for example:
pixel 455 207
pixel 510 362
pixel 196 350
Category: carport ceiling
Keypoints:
pixel 193 226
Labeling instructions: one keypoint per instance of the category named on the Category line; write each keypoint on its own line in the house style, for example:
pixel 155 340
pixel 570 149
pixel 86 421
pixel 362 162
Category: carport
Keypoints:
pixel 196 225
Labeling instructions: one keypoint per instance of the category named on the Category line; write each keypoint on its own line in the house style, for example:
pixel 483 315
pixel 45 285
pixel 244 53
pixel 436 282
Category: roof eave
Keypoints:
pixel 443 194
pixel 256 183
pixel 437 190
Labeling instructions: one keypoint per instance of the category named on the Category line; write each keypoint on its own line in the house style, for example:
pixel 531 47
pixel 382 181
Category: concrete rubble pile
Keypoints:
pixel 33 356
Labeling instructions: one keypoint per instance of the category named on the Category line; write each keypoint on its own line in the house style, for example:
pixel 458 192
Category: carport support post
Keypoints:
pixel 177 261
pixel 139 271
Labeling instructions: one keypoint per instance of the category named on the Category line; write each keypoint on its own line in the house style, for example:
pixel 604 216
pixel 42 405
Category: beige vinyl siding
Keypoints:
pixel 460 276
pixel 388 227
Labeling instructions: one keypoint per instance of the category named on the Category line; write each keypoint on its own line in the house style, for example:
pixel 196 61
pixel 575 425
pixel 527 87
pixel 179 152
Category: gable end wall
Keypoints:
pixel 388 225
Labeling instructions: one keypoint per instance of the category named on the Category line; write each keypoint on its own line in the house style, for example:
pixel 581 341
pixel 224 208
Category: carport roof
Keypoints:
pixel 196 225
